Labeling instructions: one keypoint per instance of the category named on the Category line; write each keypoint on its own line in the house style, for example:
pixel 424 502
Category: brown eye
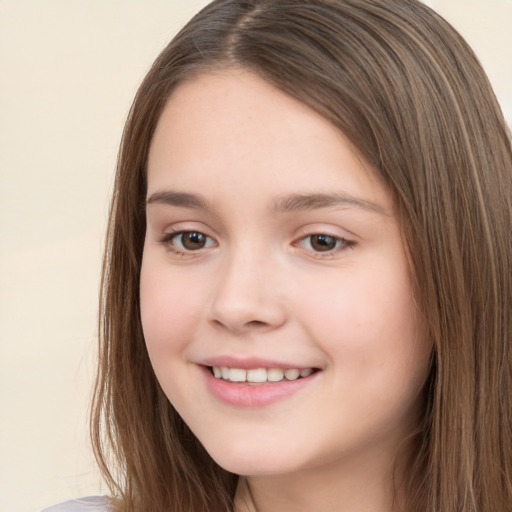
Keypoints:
pixel 322 243
pixel 190 241
pixel 193 240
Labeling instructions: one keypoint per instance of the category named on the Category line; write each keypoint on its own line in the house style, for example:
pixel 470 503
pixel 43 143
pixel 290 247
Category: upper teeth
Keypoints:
pixel 259 374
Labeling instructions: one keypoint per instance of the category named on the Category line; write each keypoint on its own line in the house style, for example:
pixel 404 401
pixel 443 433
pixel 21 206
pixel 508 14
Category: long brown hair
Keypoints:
pixel 408 92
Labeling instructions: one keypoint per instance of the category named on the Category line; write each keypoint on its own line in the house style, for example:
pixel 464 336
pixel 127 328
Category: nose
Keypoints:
pixel 248 295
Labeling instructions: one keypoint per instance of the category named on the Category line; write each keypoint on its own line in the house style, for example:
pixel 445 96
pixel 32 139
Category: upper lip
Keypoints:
pixel 248 363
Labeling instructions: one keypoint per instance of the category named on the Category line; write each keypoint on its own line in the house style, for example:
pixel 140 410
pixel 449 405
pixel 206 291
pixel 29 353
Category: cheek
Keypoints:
pixel 377 350
pixel 169 307
pixel 368 325
pixel 362 304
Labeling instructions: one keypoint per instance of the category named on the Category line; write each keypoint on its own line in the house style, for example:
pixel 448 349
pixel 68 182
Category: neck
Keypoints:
pixel 364 487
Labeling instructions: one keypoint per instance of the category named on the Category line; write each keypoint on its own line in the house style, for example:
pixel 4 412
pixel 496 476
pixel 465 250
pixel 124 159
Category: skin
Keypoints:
pixel 259 287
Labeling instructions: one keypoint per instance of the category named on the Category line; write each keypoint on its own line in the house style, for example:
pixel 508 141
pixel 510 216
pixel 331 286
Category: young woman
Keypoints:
pixel 307 283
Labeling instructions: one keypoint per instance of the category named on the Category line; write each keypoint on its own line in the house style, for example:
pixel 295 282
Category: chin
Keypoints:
pixel 252 461
pixel 247 467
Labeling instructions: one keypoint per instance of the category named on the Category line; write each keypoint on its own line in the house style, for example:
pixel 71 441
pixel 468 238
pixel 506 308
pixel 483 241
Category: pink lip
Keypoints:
pixel 248 363
pixel 254 395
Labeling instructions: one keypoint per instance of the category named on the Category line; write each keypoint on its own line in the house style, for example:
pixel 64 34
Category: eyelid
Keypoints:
pixel 338 239
pixel 342 242
pixel 167 238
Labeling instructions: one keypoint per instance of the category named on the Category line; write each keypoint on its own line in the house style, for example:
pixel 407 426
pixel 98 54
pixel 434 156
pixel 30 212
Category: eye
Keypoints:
pixel 187 241
pixel 321 242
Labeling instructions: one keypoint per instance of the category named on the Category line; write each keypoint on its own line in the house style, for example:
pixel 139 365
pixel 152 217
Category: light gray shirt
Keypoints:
pixel 86 504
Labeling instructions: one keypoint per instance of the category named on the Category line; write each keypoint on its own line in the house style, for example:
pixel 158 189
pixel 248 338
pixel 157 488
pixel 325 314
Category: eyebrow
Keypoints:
pixel 179 199
pixel 289 203
pixel 304 202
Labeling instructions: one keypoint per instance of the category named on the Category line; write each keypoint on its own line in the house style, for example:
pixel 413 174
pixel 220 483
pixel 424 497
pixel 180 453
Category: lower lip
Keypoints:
pixel 254 395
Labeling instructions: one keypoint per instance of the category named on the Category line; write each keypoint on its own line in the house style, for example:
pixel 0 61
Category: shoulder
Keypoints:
pixel 86 504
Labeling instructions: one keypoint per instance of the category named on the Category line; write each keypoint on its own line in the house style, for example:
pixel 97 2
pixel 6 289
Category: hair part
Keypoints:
pixel 406 90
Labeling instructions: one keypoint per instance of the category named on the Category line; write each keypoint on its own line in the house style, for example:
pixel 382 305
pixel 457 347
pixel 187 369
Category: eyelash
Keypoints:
pixel 168 241
pixel 340 243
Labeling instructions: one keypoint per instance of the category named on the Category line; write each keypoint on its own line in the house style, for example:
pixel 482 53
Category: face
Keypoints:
pixel 275 293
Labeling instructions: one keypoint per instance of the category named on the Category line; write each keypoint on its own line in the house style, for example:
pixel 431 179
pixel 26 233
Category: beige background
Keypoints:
pixel 68 71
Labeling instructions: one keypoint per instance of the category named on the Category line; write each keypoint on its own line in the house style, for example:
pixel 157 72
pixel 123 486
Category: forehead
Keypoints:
pixel 234 128
pixel 210 105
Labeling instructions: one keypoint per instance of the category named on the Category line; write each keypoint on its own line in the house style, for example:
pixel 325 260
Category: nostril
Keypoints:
pixel 252 324
pixel 256 323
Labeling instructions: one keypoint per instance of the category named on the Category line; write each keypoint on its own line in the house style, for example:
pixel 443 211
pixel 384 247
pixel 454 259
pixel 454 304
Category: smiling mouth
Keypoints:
pixel 260 375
